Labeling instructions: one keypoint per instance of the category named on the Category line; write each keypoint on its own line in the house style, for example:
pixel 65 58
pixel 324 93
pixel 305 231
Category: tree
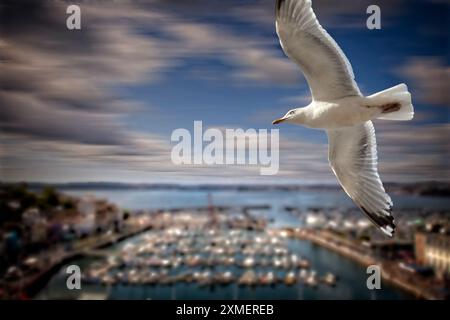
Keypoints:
pixel 49 198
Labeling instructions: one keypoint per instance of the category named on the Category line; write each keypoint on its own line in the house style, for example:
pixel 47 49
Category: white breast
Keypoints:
pixel 340 113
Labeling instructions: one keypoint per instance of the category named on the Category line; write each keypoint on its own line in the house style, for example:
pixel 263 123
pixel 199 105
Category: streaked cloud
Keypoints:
pixel 302 99
pixel 429 78
pixel 251 58
pixel 58 87
pixel 342 14
pixel 418 152
pixel 64 116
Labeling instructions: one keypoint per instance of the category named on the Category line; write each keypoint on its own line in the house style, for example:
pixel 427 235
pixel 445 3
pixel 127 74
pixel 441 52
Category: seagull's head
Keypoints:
pixel 292 116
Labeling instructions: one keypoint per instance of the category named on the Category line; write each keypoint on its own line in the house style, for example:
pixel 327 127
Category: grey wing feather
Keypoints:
pixel 325 66
pixel 353 158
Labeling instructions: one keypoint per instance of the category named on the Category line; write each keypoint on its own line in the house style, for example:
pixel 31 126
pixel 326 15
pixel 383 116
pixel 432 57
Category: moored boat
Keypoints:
pixel 290 278
pixel 248 278
pixel 329 279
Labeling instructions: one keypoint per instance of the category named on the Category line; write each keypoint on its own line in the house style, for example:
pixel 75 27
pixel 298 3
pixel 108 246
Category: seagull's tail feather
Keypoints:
pixel 395 103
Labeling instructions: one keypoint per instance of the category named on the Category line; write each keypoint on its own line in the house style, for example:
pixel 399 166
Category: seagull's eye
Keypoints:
pixel 291 113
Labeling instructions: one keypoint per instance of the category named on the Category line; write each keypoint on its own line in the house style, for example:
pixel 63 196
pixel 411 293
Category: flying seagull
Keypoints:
pixel 339 108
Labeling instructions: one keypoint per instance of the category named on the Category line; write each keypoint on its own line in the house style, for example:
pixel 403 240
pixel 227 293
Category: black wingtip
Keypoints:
pixel 382 221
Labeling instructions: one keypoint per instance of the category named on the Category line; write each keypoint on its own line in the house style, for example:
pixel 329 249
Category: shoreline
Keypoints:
pixel 390 272
pixel 35 283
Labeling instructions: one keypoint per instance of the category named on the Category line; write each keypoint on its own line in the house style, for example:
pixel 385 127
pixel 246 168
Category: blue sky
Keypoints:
pixel 100 104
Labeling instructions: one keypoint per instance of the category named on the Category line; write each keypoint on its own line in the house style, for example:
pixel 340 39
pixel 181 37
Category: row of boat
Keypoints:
pixel 186 244
pixel 201 260
pixel 205 278
pixel 309 278
pixel 215 256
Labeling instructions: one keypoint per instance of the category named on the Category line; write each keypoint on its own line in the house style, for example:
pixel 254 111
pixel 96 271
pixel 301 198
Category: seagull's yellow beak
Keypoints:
pixel 277 121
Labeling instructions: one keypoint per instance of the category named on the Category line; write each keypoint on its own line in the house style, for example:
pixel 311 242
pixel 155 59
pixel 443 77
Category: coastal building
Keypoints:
pixel 107 215
pixel 37 225
pixel 433 249
pixel 420 241
pixel 38 231
pixel 86 219
pixel 402 250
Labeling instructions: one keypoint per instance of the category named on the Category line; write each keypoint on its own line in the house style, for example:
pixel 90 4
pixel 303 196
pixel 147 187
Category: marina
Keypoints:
pixel 222 254
pixel 189 256
pixel 225 245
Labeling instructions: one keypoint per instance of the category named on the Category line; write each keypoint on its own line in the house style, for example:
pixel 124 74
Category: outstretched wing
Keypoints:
pixel 325 66
pixel 353 157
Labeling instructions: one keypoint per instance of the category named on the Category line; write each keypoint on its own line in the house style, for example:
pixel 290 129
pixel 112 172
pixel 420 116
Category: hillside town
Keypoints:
pixel 39 229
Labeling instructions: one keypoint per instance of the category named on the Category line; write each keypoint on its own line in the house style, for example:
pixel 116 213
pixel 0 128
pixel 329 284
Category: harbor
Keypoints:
pixel 217 257
pixel 211 254
pixel 220 245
